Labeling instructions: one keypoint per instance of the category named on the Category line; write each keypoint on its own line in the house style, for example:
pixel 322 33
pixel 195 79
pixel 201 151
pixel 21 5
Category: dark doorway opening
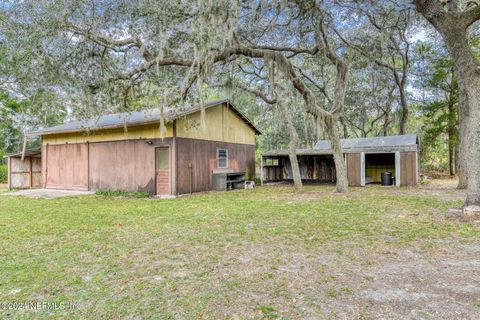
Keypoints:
pixel 376 163
pixel 313 169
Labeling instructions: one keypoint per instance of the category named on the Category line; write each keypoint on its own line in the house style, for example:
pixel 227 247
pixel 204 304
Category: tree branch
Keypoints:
pixel 472 15
pixel 430 9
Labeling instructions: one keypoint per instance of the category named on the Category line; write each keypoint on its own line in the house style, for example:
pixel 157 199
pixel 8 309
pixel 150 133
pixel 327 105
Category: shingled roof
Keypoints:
pixel 128 119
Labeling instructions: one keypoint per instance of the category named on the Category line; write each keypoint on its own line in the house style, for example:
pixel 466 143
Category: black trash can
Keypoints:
pixel 386 178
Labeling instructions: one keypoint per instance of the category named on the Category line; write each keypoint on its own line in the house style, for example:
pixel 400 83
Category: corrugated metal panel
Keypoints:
pixel 372 142
pixel 300 152
pixel 28 153
pixel 407 142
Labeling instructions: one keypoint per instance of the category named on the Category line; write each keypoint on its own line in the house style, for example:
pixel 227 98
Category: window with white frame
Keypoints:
pixel 222 158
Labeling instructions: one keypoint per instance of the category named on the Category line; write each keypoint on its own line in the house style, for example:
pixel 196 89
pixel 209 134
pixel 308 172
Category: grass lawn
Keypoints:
pixel 270 253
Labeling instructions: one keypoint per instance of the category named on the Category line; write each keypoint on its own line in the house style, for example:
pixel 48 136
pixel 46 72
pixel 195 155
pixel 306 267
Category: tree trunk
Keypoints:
pixel 385 124
pixel 453 27
pixel 292 155
pixel 468 75
pixel 452 123
pixel 403 101
pixel 462 146
pixel 292 151
pixel 341 170
pixel 451 158
pixel 472 138
pixel 344 126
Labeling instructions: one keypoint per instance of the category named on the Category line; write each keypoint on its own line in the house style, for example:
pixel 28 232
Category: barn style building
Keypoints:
pixel 127 151
pixel 366 159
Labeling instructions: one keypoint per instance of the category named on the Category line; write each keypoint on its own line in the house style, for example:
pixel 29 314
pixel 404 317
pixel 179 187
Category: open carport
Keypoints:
pixel 366 160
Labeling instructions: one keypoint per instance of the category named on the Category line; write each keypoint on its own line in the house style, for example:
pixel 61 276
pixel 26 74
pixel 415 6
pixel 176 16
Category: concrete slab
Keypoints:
pixel 47 193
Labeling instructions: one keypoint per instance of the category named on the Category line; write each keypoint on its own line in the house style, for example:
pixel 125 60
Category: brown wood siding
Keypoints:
pixel 319 168
pixel 66 167
pixel 130 165
pixel 36 172
pixel 272 173
pixel 202 154
pixel 408 168
pixel 353 169
pixel 124 165
pixel 314 168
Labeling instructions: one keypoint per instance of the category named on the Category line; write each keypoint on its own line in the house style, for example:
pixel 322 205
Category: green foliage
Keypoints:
pixel 268 312
pixel 121 193
pixel 3 173
pixel 19 115
pixel 440 116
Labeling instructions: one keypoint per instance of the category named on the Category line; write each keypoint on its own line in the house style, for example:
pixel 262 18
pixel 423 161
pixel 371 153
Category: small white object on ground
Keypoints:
pixel 249 184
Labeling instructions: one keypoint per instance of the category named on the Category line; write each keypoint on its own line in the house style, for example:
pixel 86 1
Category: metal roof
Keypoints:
pixel 372 142
pixel 28 153
pixel 408 142
pixel 135 118
pixel 300 152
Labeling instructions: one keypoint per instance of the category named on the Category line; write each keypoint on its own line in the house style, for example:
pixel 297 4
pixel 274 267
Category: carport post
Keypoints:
pixel 397 169
pixel 362 169
pixel 46 166
pixel 261 170
pixel 31 172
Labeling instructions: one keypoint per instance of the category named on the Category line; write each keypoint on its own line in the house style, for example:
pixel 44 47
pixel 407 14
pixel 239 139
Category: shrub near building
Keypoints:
pixel 3 173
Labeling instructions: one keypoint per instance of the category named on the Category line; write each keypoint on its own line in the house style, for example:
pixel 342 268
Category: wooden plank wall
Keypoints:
pixel 67 166
pixel 314 168
pixel 353 169
pixel 20 172
pixel 124 165
pixel 221 124
pixel 273 173
pixel 36 172
pixel 146 131
pixel 130 165
pixel 320 168
pixel 202 154
pixel 408 168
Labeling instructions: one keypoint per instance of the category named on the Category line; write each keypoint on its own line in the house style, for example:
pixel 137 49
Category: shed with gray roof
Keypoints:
pixel 366 159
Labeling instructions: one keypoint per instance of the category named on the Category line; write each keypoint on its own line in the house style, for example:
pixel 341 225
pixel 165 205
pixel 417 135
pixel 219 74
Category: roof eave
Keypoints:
pixel 139 123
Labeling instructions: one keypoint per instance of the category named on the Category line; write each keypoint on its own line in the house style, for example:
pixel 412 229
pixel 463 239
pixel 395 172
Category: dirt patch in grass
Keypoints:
pixel 442 283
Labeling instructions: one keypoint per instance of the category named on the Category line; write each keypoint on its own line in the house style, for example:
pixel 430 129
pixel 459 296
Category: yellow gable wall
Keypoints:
pixel 221 124
pixel 149 131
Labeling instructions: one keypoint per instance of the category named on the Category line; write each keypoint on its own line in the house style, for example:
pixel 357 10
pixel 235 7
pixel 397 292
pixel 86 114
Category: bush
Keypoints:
pixel 3 173
pixel 121 193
